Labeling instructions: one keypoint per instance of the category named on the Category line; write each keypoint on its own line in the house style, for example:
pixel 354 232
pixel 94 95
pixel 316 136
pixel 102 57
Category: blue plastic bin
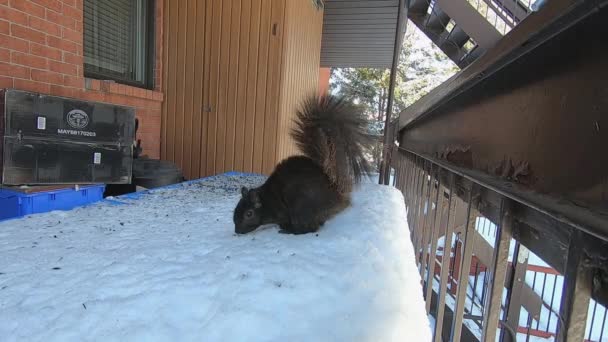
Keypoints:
pixel 15 204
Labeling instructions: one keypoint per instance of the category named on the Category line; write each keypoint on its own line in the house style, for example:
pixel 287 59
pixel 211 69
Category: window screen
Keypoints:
pixel 118 40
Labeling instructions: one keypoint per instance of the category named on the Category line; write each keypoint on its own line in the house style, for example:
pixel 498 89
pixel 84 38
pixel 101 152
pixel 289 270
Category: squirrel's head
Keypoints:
pixel 248 212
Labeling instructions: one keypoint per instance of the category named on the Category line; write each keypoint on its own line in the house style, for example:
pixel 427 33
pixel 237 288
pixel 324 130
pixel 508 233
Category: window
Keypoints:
pixel 119 41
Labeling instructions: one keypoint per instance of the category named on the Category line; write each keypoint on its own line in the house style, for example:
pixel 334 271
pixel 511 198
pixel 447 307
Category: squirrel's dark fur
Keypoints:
pixel 305 191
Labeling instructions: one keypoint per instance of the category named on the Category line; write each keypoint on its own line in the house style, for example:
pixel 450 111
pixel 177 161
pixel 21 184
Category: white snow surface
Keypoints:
pixel 166 266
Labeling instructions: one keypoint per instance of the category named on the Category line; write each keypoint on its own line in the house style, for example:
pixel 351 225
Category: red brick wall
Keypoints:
pixel 41 51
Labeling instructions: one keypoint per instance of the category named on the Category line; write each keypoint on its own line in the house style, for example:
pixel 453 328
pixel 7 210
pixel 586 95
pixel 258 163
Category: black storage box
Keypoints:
pixel 54 140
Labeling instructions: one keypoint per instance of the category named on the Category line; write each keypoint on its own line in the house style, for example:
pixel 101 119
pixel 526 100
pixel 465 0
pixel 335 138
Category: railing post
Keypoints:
pixel 520 266
pixel 429 222
pixel 440 210
pixel 421 214
pixel 445 263
pixel 498 272
pixel 465 265
pixel 576 292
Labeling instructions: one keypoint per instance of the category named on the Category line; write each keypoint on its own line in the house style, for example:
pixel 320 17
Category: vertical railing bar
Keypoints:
pixel 528 323
pixel 475 286
pixel 465 267
pixel 592 321
pixel 422 215
pixel 436 233
pixel 410 186
pixel 530 317
pixel 551 313
pixel 420 211
pixel 604 323
pixel 542 299
pixel 416 206
pixel 445 263
pixel 500 262
pixel 427 221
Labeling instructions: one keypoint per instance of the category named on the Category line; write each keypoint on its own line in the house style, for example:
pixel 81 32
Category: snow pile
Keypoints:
pixel 167 267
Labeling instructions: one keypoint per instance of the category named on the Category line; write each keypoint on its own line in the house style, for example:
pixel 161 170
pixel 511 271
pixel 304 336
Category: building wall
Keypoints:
pixel 324 76
pixel 41 50
pixel 301 60
pixel 230 65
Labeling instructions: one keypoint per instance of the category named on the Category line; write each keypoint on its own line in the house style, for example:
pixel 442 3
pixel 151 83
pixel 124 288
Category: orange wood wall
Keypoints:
pixel 234 70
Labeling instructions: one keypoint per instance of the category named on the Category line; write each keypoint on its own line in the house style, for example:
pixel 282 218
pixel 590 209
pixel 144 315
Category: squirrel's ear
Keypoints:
pixel 254 197
pixel 244 191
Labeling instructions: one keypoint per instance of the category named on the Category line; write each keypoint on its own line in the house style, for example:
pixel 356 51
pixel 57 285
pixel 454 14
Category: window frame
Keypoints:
pixel 149 58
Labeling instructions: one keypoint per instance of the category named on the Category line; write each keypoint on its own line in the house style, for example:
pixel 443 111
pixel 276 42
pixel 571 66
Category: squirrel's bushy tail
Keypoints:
pixel 332 132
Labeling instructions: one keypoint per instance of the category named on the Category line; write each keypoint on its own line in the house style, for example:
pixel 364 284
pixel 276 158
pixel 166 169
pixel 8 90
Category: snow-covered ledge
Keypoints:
pixel 166 266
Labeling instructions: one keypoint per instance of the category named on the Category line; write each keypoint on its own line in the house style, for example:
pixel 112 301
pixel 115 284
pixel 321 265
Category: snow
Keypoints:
pixel 165 265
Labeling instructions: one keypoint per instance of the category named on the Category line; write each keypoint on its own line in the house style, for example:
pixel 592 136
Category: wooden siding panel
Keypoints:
pixel 301 59
pixel 235 71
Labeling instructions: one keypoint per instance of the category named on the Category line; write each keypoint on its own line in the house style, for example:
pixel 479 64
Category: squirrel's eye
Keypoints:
pixel 249 213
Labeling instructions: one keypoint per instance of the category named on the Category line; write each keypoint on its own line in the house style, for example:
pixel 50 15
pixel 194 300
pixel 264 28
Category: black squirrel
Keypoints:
pixel 305 191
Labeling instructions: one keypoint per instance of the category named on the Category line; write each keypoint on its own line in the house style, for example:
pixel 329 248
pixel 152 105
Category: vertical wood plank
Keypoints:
pixel 188 91
pixel 242 111
pixel 498 272
pixel 437 231
pixel 430 222
pixel 578 285
pixel 252 76
pixel 214 94
pixel 172 79
pixel 445 264
pixel 232 99
pixel 206 78
pixel 276 34
pixel 165 80
pixel 182 46
pixel 465 266
pixel 197 98
pixel 262 78
pixel 223 94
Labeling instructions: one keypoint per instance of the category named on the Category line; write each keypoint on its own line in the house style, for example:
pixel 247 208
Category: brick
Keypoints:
pixel 47 76
pixel 72 58
pixel 71 81
pixel 7 69
pixel 55 5
pixel 72 35
pixel 69 3
pixel 28 7
pixel 72 12
pixel 13 43
pixel 63 68
pixel 63 44
pixel 37 87
pixel 60 19
pixel 13 15
pixel 28 60
pixel 45 51
pixel 4 2
pixel 5 55
pixel 45 26
pixel 6 82
pixel 28 34
pixel 65 91
pixel 5 27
